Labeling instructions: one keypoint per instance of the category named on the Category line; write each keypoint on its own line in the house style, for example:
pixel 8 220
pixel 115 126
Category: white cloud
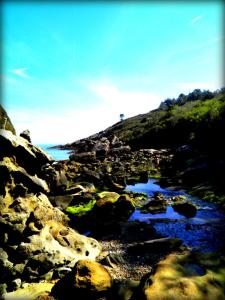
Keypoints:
pixel 129 102
pixel 195 20
pixel 67 124
pixel 21 72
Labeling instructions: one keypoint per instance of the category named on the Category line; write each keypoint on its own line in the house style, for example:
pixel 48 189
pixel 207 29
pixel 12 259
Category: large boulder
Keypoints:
pixel 87 280
pixel 191 276
pixel 39 237
pixel 28 156
pixel 186 208
pixel 112 207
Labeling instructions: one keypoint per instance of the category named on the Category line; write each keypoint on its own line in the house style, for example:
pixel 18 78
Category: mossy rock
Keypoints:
pixel 108 196
pixel 81 209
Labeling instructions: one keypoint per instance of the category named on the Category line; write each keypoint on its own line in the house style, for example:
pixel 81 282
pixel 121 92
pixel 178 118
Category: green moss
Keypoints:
pixel 81 209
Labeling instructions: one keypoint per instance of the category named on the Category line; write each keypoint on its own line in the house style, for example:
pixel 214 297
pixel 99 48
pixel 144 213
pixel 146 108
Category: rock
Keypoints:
pixel 112 259
pixel 40 236
pixel 178 199
pixel 107 197
pixel 190 276
pixel 102 147
pixel 83 157
pixel 23 182
pixel 124 207
pixel 3 289
pixel 5 122
pixel 113 207
pixel 62 202
pixel 158 196
pixel 61 272
pixel 31 292
pixel 15 284
pixel 87 280
pixel 156 245
pixel 155 206
pixel 91 276
pixel 125 289
pixel 26 135
pixel 29 157
pixel 186 208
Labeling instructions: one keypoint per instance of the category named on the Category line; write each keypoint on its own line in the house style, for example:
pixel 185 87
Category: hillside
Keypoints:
pixel 198 121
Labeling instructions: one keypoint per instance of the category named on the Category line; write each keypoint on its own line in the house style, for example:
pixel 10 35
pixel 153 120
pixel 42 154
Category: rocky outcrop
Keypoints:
pixel 28 156
pixel 5 122
pixel 190 276
pixel 35 239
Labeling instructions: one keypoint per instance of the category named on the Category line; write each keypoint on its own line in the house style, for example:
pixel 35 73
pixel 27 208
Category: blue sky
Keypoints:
pixel 69 69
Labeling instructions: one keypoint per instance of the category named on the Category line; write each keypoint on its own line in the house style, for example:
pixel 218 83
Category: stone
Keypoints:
pixel 40 236
pixel 26 135
pixel 87 280
pixel 28 156
pixel 155 206
pixel 186 208
pixel 191 276
pixel 24 182
pixel 30 292
pixel 92 276
pixel 125 289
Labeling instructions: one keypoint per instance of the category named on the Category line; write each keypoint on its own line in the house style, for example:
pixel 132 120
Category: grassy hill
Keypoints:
pixel 193 127
pixel 199 122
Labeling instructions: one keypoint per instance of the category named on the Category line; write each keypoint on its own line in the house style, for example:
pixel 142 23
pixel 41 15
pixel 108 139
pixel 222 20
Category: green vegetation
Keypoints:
pixel 193 119
pixel 81 209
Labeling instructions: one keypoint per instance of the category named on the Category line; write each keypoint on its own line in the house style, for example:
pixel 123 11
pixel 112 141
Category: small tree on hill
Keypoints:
pixel 122 117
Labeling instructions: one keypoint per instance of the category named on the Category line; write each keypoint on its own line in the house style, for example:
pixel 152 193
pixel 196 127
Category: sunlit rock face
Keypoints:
pixel 35 238
pixel 5 122
pixel 28 156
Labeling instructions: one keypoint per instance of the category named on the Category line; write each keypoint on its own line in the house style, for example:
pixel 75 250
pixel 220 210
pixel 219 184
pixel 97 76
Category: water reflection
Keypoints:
pixel 203 232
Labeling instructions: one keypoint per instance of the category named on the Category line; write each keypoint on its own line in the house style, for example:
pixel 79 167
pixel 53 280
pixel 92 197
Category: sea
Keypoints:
pixel 56 154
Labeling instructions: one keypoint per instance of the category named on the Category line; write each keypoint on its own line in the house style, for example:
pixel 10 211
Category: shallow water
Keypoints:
pixel 56 154
pixel 203 232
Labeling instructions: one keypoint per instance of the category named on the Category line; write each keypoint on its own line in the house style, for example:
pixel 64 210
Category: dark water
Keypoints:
pixel 56 154
pixel 203 232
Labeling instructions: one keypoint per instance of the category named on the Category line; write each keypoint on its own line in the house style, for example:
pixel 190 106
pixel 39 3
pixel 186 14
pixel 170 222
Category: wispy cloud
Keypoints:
pixel 195 20
pixel 128 101
pixel 21 72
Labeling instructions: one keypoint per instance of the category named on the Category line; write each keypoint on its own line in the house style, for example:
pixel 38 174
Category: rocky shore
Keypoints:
pixel 65 232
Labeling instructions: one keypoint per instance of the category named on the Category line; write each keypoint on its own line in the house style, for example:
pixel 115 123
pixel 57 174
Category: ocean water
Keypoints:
pixel 56 154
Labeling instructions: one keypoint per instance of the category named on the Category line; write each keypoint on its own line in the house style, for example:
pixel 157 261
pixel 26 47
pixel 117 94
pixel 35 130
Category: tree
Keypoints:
pixel 122 117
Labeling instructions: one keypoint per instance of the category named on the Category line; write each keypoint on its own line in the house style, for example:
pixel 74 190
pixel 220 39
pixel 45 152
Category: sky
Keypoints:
pixel 71 68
